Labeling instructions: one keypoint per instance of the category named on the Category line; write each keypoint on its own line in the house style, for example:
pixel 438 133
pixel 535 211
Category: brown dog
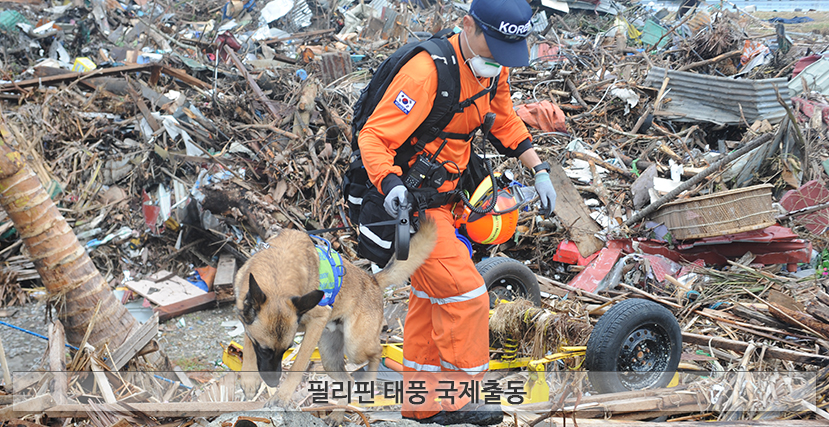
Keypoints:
pixel 277 295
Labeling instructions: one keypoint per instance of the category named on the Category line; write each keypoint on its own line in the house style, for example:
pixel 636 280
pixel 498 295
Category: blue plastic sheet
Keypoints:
pixel 795 20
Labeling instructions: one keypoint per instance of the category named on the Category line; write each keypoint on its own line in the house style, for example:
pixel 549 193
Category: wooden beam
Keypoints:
pixel 22 382
pixel 161 410
pixel 602 163
pixel 184 77
pixel 137 340
pixel 182 376
pixel 57 362
pixel 777 353
pixel 574 215
pixel 32 406
pixel 100 72
pixel 713 60
pixel 102 381
pixel 7 375
pixel 190 305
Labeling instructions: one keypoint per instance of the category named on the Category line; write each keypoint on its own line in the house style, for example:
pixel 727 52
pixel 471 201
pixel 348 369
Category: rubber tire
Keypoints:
pixel 496 270
pixel 617 325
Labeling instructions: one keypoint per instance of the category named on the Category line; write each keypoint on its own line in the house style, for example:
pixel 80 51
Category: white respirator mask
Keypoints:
pixel 482 67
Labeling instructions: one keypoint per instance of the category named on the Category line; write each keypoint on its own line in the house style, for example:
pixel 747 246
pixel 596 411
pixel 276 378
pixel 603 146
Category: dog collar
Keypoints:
pixel 331 271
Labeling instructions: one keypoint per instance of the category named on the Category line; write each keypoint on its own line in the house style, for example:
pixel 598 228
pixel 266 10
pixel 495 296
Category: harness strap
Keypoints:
pixel 331 275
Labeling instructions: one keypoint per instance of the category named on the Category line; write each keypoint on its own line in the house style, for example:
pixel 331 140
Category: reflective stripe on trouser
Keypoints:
pixel 447 325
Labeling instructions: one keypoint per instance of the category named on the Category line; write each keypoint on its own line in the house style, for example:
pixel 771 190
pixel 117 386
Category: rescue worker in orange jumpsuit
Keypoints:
pixel 446 333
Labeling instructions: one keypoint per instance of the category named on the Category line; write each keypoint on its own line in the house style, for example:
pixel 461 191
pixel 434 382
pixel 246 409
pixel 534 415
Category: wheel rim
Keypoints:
pixel 507 288
pixel 644 356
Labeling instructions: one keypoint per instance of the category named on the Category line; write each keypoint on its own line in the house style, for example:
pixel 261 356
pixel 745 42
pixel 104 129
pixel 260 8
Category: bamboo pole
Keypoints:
pixel 68 273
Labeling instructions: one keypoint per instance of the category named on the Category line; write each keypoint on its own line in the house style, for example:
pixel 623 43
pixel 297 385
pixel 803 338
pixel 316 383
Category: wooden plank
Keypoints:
pixel 776 353
pixel 227 387
pixel 184 77
pixel 164 288
pixel 225 270
pixel 57 362
pixel 145 111
pixel 34 405
pixel 603 398
pixel 580 293
pixel 7 375
pixel 573 213
pixel 823 297
pixel 225 274
pixel 655 404
pixel 22 382
pixel 137 340
pixel 17 86
pixel 819 311
pixel 163 410
pixel 190 305
pixel 182 376
pixel 102 381
pixel 747 312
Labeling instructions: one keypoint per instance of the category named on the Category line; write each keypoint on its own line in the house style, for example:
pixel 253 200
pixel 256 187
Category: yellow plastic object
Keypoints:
pixel 674 381
pixel 536 389
pixel 232 356
pixel 83 64
pixel 394 352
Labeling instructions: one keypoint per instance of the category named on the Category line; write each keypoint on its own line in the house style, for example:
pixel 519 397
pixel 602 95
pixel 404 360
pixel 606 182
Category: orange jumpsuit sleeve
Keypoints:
pixel 509 134
pixel 405 105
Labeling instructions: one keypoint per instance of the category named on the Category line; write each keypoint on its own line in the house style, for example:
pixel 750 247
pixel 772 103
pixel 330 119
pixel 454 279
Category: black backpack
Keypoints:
pixel 374 242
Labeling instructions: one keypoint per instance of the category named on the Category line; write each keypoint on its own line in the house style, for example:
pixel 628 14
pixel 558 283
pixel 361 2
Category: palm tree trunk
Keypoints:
pixel 66 270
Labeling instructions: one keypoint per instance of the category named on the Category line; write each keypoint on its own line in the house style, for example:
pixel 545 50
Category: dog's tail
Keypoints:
pixel 397 272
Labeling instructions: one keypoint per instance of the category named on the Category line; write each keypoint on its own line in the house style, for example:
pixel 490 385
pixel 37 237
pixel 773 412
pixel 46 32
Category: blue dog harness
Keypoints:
pixel 331 271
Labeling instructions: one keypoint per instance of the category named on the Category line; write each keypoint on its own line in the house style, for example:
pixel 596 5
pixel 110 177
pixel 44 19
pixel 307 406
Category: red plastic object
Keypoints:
pixel 809 194
pixel 568 253
pixel 771 245
pixel 590 277
pixel 151 212
pixel 803 63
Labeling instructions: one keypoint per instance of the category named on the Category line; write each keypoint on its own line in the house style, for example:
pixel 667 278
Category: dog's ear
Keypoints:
pixel 253 301
pixel 307 301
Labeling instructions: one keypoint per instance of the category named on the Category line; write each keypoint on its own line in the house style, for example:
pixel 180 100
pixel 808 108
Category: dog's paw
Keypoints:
pixel 276 402
pixel 336 418
pixel 250 382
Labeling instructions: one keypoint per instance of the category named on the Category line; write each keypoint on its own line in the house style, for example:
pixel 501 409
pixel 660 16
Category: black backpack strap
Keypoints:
pixel 446 105
pixel 446 63
pixel 437 132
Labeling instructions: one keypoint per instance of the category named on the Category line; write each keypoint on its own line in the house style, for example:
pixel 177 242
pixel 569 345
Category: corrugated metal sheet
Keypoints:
pixel 701 97
pixel 816 76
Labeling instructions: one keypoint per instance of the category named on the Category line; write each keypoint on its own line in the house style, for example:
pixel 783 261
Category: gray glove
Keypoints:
pixel 399 196
pixel 546 193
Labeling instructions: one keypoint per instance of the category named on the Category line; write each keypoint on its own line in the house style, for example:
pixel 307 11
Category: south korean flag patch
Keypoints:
pixel 404 102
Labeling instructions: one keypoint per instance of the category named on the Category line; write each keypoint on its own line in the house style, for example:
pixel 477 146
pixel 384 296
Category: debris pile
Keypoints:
pixel 689 155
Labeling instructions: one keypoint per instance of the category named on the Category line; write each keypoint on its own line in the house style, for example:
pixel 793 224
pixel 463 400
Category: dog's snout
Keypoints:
pixel 271 378
pixel 270 365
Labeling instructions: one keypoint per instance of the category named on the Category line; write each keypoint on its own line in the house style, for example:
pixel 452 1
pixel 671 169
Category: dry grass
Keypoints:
pixel 539 331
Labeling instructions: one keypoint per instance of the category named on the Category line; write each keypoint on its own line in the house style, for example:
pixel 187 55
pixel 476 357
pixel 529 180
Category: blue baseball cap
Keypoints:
pixel 506 25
